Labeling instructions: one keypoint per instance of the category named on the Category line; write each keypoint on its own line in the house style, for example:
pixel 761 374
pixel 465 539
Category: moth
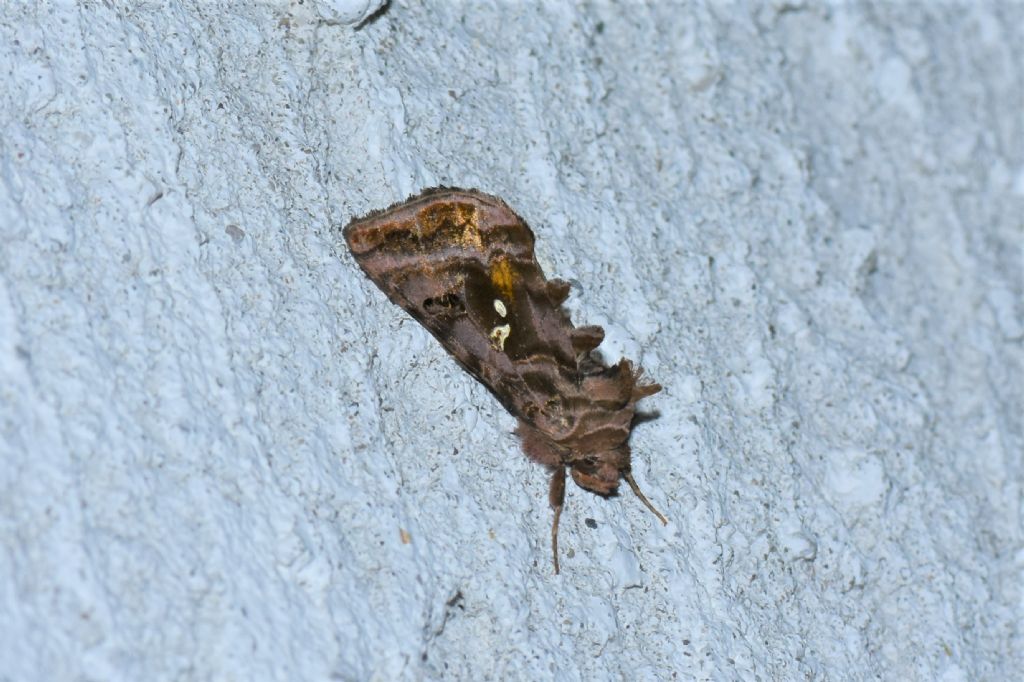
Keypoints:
pixel 462 263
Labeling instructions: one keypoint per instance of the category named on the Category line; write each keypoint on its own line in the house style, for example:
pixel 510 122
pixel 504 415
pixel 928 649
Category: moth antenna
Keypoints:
pixel 554 537
pixel 556 496
pixel 636 489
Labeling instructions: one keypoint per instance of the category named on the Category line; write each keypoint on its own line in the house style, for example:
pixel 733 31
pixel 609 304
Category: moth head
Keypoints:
pixel 600 472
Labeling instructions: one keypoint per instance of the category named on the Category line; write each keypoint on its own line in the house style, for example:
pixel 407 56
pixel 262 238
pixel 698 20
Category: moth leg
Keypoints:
pixel 556 496
pixel 636 489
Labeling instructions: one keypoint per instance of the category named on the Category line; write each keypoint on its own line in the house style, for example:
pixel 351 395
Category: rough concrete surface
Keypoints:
pixel 226 456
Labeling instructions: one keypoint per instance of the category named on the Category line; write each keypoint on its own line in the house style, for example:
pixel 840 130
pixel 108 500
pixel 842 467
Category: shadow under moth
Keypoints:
pixel 461 262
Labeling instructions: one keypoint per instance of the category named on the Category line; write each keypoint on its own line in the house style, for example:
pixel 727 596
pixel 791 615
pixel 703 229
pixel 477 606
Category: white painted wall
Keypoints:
pixel 225 456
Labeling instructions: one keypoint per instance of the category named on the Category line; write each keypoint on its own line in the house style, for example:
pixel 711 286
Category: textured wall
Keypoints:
pixel 226 456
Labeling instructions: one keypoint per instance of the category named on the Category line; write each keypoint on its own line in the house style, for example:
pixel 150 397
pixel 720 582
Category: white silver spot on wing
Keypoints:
pixel 499 334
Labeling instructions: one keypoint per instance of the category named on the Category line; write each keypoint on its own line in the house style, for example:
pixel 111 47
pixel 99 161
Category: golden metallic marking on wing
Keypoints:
pixel 471 237
pixel 447 217
pixel 503 276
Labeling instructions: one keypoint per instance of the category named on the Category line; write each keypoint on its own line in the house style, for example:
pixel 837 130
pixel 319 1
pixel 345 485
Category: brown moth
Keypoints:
pixel 461 262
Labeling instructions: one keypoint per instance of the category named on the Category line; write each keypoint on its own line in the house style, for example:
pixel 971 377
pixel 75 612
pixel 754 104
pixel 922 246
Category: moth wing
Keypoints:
pixel 462 263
